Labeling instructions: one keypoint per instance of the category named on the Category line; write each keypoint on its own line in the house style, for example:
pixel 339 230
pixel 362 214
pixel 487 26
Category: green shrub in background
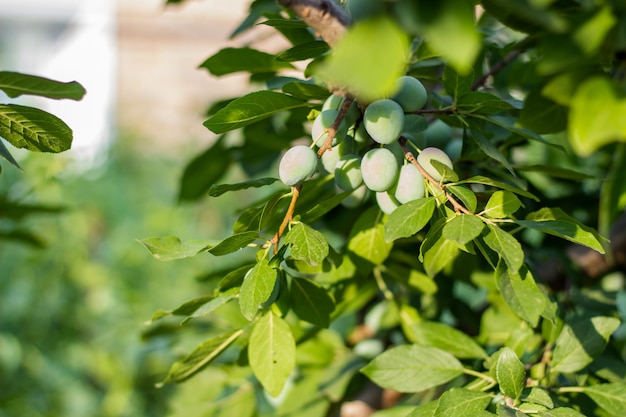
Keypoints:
pixel 493 291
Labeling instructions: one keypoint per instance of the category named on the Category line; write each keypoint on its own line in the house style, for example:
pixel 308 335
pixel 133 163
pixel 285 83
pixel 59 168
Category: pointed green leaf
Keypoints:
pixel 555 221
pixel 198 307
pixel 460 402
pixel 171 248
pixel 560 412
pixel 257 287
pixel 4 152
pixel 581 340
pixel 367 239
pixel 455 84
pixel 465 195
pixel 230 60
pixel 306 90
pixel 409 218
pixel 413 368
pixel 479 179
pixel 307 244
pixel 251 108
pixel 311 302
pixel 201 356
pixel 444 337
pixel 542 115
pixel 521 293
pixel 611 397
pixel 510 374
pixel 272 352
pixel 502 204
pixel 463 228
pixel 489 148
pixel 437 252
pixel 15 84
pixel 233 243
pixel 34 129
pixel 203 171
pixel 217 190
pixel 368 60
pixel 303 51
pixel 506 246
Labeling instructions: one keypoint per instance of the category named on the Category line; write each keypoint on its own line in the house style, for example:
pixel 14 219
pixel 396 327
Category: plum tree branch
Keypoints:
pixel 458 207
pixel 496 68
pixel 325 17
pixel 295 193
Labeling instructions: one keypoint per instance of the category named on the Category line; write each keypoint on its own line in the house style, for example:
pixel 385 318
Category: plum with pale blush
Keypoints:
pixel 297 164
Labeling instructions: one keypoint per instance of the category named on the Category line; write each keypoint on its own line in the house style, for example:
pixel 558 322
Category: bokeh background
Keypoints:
pixel 76 288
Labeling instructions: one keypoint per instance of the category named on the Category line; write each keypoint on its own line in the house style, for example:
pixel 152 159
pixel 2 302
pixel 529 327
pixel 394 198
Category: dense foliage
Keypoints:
pixel 469 297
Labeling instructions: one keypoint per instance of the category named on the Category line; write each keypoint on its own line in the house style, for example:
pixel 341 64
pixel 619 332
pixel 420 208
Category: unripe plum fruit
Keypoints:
pixel 334 154
pixel 356 197
pixel 411 94
pixel 410 185
pixel 379 169
pixel 348 174
pixel 333 102
pixel 426 157
pixel 386 202
pixel 322 122
pixel 297 164
pixel 384 120
pixel 438 134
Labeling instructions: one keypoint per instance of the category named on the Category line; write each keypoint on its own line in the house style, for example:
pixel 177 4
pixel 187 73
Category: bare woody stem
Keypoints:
pixel 458 207
pixel 295 193
pixel 325 17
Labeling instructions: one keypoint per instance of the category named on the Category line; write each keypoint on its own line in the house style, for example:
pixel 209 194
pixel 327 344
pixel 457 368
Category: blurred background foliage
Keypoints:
pixel 74 305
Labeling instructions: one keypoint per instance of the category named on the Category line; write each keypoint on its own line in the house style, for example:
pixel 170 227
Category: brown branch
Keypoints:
pixel 495 69
pixel 325 17
pixel 288 217
pixel 334 127
pixel 458 207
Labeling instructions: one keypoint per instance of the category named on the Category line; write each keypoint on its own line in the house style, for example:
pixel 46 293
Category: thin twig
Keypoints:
pixel 295 193
pixel 496 68
pixel 334 127
pixel 458 207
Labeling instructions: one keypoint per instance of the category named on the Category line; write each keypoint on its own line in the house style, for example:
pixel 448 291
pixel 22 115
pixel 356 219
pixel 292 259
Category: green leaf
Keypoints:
pixel 482 103
pixel 455 84
pixel 510 374
pixel 198 307
pixel 311 302
pixel 205 170
pixel 367 240
pixel 479 179
pixel 256 289
pixel 425 410
pixel 217 190
pixel 171 248
pixel 613 194
pixel 542 115
pixel 409 218
pixel 306 91
pixel 368 59
pixel 465 195
pixel 444 337
pixel 437 252
pixel 502 204
pixel 489 148
pixel 251 108
pixel 581 340
pixel 233 243
pixel 201 356
pixel 611 397
pixel 4 152
pixel 324 207
pixel 15 84
pixel 34 129
pixel 272 352
pixel 560 412
pixel 590 35
pixel 556 172
pixel 231 60
pixel 590 130
pixel 412 368
pixel 460 402
pixel 521 293
pixel 506 246
pixel 307 244
pixel 555 221
pixel 463 228
pixel 303 51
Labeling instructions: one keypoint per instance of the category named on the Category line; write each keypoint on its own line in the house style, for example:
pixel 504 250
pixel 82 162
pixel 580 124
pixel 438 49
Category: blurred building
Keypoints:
pixel 138 60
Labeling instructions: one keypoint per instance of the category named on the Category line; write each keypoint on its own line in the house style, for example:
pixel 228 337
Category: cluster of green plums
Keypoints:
pixel 365 156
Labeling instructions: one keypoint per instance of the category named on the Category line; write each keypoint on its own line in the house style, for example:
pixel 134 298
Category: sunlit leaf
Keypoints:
pixel 34 129
pixel 463 228
pixel 447 338
pixel 510 374
pixel 413 368
pixel 611 397
pixel 217 190
pixel 307 244
pixel 15 84
pixel 230 60
pixel 272 352
pixel 409 218
pixel 257 287
pixel 521 293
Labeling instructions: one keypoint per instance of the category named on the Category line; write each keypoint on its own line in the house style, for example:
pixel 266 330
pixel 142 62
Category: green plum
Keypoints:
pixel 379 169
pixel 384 121
pixel 297 164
